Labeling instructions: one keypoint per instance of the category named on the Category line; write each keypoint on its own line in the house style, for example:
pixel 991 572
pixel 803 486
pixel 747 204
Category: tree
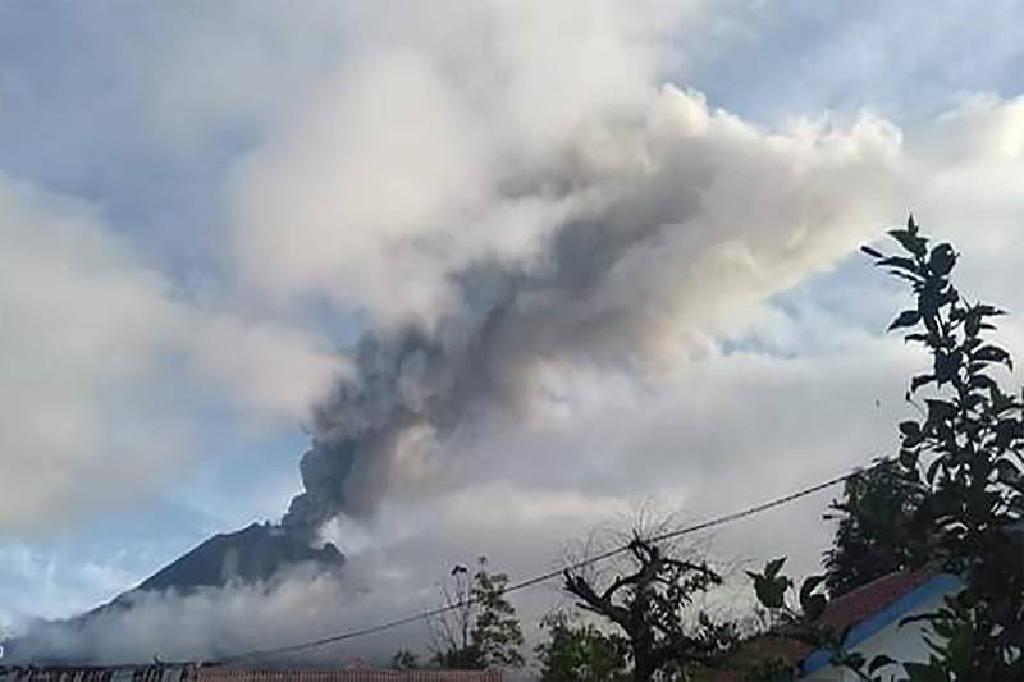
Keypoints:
pixel 580 652
pixel 481 629
pixel 797 619
pixel 648 603
pixel 962 465
pixel 966 457
pixel 879 528
pixel 453 648
pixel 496 633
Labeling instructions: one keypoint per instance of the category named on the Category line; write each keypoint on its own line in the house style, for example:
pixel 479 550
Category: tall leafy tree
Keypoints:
pixel 961 465
pixel 879 528
pixel 965 455
pixel 481 629
pixel 496 632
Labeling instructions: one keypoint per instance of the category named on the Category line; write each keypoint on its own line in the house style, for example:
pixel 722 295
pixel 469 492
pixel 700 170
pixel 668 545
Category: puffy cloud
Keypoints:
pixel 89 347
pixel 621 231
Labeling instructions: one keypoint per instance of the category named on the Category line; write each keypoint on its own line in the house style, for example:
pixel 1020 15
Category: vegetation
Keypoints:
pixel 879 529
pixel 958 485
pixel 952 500
pixel 648 603
pixel 580 652
pixel 964 457
pixel 483 630
pixel 405 660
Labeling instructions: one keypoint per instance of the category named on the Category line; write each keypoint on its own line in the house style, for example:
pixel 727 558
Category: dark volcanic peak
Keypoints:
pixel 256 553
pixel 260 553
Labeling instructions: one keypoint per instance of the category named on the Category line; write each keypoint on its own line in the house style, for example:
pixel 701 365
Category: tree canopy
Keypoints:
pixel 648 603
pixel 483 630
pixel 879 529
pixel 575 651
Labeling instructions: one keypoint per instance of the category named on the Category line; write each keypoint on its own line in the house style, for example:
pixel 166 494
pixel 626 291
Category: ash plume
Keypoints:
pixel 500 192
pixel 666 228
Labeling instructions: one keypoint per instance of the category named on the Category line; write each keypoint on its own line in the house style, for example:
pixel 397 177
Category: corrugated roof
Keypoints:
pixel 117 673
pixel 193 673
pixel 228 674
pixel 867 600
pixel 849 610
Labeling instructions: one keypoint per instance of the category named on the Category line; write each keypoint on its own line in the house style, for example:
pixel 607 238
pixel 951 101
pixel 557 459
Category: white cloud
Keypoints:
pixel 438 145
pixel 88 350
pixel 34 583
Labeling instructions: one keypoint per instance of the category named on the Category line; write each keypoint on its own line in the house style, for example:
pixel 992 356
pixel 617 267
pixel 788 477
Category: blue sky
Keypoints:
pixel 152 147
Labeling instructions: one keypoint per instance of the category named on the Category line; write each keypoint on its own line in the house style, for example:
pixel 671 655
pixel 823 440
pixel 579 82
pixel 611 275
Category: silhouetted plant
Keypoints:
pixel 879 529
pixel 649 605
pixel 962 466
pixel 580 652
pixel 965 457
pixel 405 660
pixel 481 629
pixel 799 619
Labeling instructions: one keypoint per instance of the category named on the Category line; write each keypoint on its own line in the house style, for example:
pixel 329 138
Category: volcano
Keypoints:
pixel 257 553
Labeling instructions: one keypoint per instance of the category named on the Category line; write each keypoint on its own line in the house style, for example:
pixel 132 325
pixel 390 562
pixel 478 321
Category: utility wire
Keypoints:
pixel 550 575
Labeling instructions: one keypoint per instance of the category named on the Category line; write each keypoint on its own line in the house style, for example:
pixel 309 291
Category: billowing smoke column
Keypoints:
pixel 478 359
pixel 408 378
pixel 682 219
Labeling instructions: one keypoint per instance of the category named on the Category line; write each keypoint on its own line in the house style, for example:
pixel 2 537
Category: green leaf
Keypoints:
pixel 939 411
pixel 771 592
pixel 909 240
pixel 908 318
pixel 920 380
pixel 810 584
pixel 983 381
pixel 989 311
pixel 910 428
pixel 899 262
pixel 942 259
pixel 872 252
pixel 879 661
pixel 992 354
pixel 772 568
pixel 1007 472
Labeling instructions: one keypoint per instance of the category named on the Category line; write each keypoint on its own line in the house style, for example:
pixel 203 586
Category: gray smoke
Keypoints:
pixel 694 218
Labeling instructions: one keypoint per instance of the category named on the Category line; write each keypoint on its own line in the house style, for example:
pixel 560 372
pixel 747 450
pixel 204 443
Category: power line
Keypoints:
pixel 550 575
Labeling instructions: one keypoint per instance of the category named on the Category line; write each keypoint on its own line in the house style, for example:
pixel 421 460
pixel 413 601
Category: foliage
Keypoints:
pixel 453 648
pixel 580 652
pixel 496 633
pixel 879 530
pixel 959 477
pixel 649 605
pixel 799 620
pixel 965 457
pixel 482 630
pixel 405 660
